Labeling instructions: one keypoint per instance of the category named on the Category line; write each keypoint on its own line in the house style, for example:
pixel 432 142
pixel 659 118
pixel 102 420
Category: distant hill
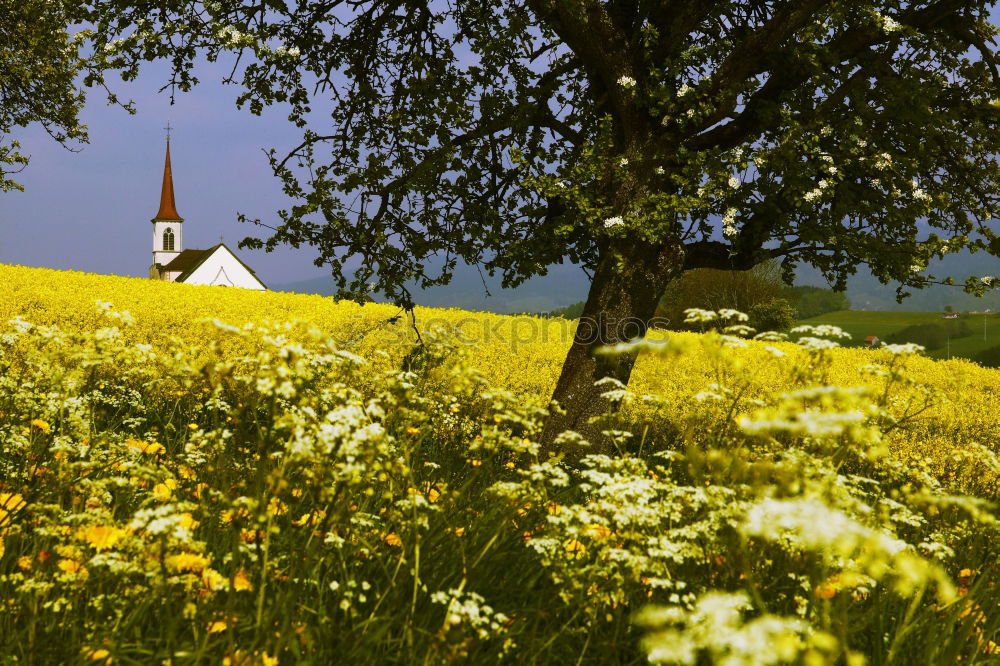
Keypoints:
pixel 564 285
pixel 867 293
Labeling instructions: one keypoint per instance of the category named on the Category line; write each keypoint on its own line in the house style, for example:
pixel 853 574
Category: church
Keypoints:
pixel 215 266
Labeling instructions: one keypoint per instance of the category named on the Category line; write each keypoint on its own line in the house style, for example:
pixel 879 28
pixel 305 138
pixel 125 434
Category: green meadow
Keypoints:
pixel 861 324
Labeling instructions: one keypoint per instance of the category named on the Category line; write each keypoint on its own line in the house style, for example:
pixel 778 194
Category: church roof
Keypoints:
pixel 168 209
pixel 188 261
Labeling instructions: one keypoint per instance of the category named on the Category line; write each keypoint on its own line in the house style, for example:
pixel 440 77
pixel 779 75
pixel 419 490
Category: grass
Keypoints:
pixel 861 324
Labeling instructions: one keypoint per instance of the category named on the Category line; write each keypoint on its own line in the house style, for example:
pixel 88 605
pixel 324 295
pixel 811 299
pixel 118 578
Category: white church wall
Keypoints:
pixel 160 255
pixel 224 269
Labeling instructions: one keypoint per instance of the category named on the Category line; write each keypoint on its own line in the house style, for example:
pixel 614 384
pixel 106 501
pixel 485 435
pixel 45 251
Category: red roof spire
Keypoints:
pixel 168 209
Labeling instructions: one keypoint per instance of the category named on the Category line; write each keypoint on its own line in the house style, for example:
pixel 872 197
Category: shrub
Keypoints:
pixel 815 301
pixel 774 315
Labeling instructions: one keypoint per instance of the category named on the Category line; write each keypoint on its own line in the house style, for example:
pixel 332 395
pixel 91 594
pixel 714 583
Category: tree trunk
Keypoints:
pixel 628 283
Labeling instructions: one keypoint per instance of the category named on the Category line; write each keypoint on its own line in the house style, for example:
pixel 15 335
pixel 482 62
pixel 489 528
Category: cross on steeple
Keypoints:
pixel 168 128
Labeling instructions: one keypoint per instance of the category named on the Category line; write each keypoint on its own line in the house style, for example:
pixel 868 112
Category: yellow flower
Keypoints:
pixel 188 521
pixel 410 430
pixel 216 626
pixel 96 655
pixel 310 518
pixel 164 491
pixel 241 658
pixel 152 448
pixel 392 539
pixel 826 590
pixel 100 537
pixel 433 495
pixel 213 580
pixel 192 426
pixel 69 551
pixel 41 425
pixel 574 547
pixel 72 567
pixel 276 507
pixel 241 581
pixel 187 562
pixel 9 503
pixel 23 562
pixel 598 531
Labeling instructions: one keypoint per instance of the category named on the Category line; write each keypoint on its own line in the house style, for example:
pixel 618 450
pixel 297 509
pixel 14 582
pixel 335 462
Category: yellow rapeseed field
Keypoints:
pixel 208 475
pixel 522 354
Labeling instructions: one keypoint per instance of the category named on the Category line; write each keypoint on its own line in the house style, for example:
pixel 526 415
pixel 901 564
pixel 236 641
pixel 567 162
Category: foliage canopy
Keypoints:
pixel 522 133
pixel 39 62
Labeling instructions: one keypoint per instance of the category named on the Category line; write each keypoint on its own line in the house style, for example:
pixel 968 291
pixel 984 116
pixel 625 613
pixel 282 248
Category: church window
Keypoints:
pixel 168 240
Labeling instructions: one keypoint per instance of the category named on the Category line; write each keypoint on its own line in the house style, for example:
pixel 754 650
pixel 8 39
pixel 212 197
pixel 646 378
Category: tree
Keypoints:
pixel 641 138
pixel 39 62
pixel 814 301
pixel 714 289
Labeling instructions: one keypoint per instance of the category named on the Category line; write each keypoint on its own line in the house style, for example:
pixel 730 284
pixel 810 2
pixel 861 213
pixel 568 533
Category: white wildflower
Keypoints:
pixel 697 315
pixel 613 222
pixel 734 182
pixel 683 90
pixel 715 626
pixel 729 313
pixel 626 82
pixel 822 331
pixel 908 348
pixel 811 524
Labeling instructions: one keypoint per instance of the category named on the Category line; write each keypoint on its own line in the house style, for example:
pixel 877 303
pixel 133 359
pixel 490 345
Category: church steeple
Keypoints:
pixel 168 226
pixel 168 209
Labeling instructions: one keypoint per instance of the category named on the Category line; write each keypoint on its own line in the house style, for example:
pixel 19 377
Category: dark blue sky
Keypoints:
pixel 91 210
